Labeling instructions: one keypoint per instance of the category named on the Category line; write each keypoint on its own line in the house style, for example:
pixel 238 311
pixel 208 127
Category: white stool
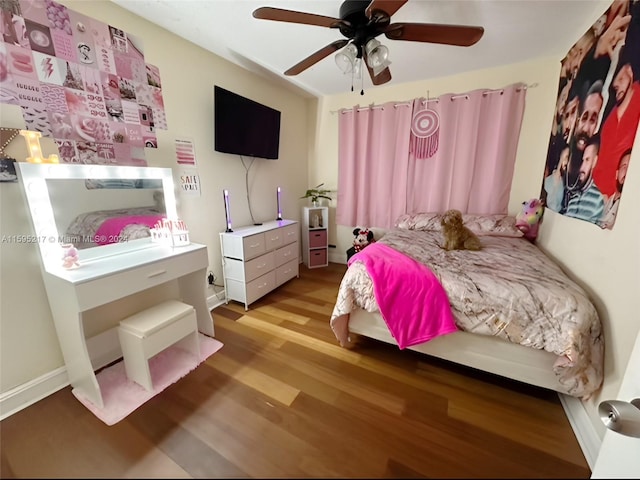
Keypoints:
pixel 150 331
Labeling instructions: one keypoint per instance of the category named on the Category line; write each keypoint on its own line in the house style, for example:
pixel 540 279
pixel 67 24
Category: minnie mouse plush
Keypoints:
pixel 363 237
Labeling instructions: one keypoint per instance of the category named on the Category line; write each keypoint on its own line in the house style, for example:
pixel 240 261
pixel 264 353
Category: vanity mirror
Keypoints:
pixel 103 210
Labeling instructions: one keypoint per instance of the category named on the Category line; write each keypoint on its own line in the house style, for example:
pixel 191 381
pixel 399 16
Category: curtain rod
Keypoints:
pixel 403 104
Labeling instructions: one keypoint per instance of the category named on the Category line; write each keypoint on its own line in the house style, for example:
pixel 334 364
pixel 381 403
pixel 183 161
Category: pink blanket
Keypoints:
pixel 110 230
pixel 412 302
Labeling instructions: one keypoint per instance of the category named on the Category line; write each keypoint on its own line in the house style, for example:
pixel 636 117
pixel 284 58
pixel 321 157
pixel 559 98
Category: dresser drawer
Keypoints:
pixel 247 271
pixel 260 286
pixel 317 238
pixel 106 289
pixel 286 272
pixel 259 266
pixel 286 254
pixel 273 239
pixel 290 234
pixel 253 246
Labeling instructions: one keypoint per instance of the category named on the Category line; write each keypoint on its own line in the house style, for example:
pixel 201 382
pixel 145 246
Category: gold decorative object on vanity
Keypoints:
pixel 33 145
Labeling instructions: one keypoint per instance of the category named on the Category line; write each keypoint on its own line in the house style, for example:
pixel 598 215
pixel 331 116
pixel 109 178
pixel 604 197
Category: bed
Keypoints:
pixel 103 227
pixel 516 313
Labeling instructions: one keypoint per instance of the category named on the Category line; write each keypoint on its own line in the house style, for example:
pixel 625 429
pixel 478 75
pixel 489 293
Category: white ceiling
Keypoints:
pixel 515 31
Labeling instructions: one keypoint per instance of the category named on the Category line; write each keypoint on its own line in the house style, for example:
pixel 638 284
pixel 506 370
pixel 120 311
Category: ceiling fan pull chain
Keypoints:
pixel 352 73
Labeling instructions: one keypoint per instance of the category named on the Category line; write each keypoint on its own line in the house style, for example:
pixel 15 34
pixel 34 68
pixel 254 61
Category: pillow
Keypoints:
pixel 427 222
pixel 488 225
pixel 492 225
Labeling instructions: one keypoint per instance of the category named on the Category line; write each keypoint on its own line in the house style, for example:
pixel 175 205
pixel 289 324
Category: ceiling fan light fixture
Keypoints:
pixel 346 59
pixel 357 69
pixel 377 54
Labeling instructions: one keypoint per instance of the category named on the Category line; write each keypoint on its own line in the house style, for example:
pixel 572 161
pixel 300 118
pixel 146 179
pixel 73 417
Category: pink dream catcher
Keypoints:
pixel 425 130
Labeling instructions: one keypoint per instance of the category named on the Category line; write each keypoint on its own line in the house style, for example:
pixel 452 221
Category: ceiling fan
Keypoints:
pixel 361 21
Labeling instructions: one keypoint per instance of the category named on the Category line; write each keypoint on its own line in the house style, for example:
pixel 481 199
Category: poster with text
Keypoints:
pixel 185 152
pixel 189 182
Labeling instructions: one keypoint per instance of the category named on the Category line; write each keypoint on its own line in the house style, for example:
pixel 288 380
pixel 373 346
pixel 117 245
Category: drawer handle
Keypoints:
pixel 277 237
pixel 258 267
pixel 254 245
pixel 287 271
pixel 156 274
pixel 262 286
pixel 286 254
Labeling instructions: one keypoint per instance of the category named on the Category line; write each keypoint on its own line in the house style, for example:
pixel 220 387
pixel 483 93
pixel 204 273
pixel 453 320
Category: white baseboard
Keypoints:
pixel 215 300
pixel 586 434
pixel 27 394
pixel 337 257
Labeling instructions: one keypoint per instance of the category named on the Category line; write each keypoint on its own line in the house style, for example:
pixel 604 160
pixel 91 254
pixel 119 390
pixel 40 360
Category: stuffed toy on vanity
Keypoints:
pixel 362 238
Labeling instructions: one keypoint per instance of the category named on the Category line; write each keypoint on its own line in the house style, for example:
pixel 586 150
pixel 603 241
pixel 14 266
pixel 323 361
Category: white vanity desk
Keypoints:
pixel 107 279
pixel 107 273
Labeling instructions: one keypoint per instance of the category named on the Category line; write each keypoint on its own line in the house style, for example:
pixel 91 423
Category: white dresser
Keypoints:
pixel 258 258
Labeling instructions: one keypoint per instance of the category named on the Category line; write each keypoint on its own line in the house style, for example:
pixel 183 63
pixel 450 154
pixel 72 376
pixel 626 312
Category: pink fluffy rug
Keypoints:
pixel 122 396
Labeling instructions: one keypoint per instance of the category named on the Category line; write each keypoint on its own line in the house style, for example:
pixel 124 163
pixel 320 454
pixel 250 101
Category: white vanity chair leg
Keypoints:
pixel 151 331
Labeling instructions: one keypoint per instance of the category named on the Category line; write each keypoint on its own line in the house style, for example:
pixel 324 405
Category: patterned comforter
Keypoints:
pixel 510 289
pixel 84 228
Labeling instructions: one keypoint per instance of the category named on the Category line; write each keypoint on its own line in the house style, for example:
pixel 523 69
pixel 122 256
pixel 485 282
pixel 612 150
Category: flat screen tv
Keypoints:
pixel 245 127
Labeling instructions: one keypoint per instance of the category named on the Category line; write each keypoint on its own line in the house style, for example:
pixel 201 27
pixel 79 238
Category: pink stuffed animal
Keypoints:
pixel 528 220
pixel 70 256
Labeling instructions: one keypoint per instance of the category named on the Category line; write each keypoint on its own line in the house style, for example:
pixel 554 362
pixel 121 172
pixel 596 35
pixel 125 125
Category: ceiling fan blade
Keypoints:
pixel 316 57
pixel 383 77
pixel 461 35
pixel 282 15
pixel 387 6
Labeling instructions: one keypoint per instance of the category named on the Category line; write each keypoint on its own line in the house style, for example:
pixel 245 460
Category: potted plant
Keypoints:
pixel 316 193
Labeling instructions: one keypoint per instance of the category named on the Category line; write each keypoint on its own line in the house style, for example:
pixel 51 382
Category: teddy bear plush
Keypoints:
pixel 362 238
pixel 456 235
pixel 528 219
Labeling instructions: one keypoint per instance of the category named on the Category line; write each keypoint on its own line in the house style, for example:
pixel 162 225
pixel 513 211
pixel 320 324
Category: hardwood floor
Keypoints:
pixel 283 399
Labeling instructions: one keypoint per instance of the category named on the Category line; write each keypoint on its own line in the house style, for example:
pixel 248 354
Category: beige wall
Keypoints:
pixel 28 343
pixel 605 263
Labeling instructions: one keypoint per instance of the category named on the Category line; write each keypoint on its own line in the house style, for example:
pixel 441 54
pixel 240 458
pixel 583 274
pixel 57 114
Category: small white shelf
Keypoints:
pixel 315 236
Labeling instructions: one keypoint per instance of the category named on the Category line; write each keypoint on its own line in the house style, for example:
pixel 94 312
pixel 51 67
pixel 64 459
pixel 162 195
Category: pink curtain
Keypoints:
pixel 379 178
pixel 473 167
pixel 372 167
